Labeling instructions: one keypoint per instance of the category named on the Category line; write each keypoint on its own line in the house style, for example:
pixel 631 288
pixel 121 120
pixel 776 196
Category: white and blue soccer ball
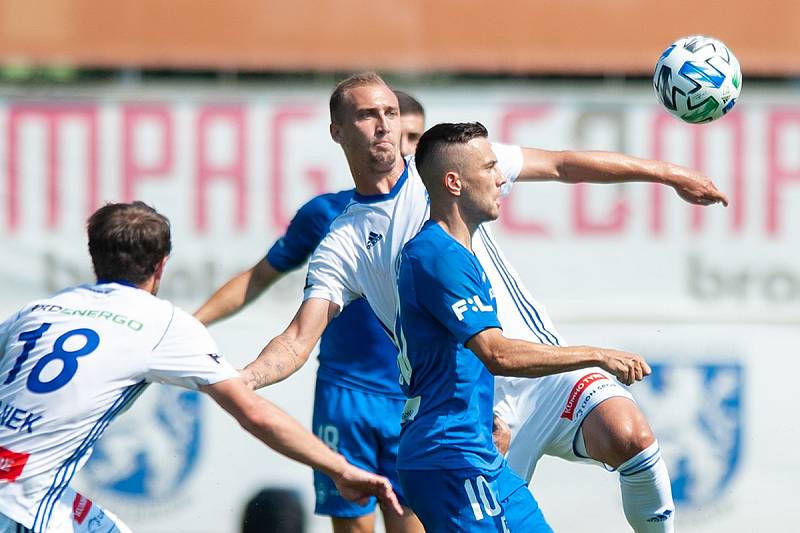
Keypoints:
pixel 697 79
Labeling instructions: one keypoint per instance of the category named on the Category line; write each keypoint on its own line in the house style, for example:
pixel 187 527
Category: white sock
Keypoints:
pixel 646 492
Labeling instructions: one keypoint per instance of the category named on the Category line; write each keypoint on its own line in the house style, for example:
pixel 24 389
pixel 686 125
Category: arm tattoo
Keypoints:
pixel 279 360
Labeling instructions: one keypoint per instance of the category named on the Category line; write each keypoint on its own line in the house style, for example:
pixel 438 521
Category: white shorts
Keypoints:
pixel 545 413
pixel 73 514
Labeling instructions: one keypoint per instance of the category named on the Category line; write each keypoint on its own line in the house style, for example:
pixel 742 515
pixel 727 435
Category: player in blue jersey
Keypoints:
pixel 357 401
pixel 358 258
pixel 451 344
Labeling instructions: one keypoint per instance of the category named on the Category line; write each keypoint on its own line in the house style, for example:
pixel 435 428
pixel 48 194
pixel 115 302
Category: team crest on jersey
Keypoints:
pixel 696 412
pixel 148 453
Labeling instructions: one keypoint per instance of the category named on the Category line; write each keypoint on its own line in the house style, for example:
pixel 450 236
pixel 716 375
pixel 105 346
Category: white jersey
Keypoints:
pixel 358 256
pixel 69 365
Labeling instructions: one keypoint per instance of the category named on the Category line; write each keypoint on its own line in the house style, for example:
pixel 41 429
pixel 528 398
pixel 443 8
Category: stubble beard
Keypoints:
pixel 382 161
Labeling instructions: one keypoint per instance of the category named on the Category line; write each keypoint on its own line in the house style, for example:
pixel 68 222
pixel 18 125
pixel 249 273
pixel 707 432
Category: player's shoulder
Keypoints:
pixel 185 321
pixel 182 331
pixel 353 223
pixel 328 205
pixel 433 251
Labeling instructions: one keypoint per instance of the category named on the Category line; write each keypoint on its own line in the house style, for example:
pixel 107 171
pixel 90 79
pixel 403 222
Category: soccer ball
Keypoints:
pixel 697 79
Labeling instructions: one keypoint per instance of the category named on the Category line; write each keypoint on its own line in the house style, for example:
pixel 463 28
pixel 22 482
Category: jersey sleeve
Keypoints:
pixel 509 160
pixel 187 356
pixel 331 272
pixel 451 289
pixel 303 235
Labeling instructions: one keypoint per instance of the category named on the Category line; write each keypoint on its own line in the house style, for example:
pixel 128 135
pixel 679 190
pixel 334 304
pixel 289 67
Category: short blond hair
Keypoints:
pixel 356 80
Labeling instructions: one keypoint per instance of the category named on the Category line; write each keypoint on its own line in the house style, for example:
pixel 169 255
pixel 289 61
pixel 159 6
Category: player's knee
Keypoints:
pixel 632 438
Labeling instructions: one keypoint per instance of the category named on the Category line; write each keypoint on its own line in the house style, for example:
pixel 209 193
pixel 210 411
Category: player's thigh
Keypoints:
pixel 554 408
pixel 341 420
pixel 471 500
pixel 386 420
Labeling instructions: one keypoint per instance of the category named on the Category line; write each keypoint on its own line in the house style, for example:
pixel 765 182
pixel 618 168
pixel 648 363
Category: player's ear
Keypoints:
pixel 336 133
pixel 159 272
pixel 452 183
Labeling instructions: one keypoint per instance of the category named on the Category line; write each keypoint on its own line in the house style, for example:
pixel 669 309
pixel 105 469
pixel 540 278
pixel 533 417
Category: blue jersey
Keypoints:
pixel 445 299
pixel 355 350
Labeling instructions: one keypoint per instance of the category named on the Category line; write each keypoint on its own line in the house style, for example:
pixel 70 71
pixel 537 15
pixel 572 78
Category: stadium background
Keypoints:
pixel 216 113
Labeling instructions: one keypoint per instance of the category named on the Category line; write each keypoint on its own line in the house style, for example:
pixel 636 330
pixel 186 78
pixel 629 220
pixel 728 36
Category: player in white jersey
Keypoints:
pixel 71 363
pixel 358 256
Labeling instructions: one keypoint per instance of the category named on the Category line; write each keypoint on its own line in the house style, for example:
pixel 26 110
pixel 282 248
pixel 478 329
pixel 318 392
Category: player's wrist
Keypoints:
pixel 596 356
pixel 338 468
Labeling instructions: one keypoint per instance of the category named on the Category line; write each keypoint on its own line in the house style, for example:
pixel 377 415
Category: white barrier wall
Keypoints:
pixel 711 296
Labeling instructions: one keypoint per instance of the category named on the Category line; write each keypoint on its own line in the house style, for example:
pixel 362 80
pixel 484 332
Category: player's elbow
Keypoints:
pixel 497 361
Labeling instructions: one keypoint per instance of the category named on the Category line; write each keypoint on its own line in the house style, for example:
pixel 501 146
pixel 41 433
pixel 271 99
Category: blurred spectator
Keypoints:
pixel 274 510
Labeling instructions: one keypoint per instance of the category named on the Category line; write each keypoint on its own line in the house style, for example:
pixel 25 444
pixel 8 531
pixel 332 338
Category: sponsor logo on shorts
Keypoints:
pixel 11 464
pixel 587 398
pixel 80 508
pixel 577 390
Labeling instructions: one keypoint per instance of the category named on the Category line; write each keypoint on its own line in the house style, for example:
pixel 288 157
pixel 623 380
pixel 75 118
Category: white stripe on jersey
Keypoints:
pixel 68 366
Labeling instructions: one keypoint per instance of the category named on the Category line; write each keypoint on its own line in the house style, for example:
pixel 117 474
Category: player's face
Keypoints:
pixel 482 182
pixel 413 128
pixel 370 127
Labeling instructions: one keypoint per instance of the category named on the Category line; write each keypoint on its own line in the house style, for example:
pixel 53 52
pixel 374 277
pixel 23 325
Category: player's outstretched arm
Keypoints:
pixel 289 351
pixel 237 292
pixel 611 167
pixel 285 435
pixel 517 358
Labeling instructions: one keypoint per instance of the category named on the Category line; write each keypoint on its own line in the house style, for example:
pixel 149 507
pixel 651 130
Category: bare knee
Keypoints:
pixel 615 431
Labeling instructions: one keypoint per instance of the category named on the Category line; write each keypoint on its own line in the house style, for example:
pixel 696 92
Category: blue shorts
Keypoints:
pixel 473 500
pixel 363 427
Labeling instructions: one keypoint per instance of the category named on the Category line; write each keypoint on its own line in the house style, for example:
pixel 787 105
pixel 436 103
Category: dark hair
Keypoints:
pixel 127 241
pixel 408 104
pixel 274 510
pixel 356 80
pixel 441 135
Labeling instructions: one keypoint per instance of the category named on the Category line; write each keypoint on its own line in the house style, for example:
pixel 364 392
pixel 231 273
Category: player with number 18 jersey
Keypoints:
pixel 69 365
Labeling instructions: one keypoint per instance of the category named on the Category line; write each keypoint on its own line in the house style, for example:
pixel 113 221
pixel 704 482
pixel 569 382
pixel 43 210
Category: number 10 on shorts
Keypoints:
pixel 488 503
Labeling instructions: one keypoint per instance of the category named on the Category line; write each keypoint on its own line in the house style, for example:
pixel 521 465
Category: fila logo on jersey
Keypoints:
pixel 215 357
pixel 373 239
pixel 470 304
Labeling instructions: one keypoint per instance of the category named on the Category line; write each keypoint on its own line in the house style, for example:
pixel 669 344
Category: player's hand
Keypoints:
pixel 626 367
pixel 501 435
pixel 358 485
pixel 694 187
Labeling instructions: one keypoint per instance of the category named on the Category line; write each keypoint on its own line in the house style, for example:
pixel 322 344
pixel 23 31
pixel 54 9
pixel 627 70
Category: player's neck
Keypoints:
pixel 370 181
pixel 455 225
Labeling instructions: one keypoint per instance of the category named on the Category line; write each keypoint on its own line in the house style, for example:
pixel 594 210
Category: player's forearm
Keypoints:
pixel 279 359
pixel 611 167
pixel 237 293
pixel 228 299
pixel 285 435
pixel 526 359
